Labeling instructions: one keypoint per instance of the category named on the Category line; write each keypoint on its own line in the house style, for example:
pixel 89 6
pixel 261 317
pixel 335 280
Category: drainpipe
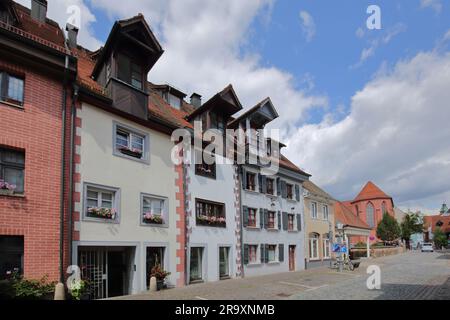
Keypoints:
pixel 186 276
pixel 72 146
pixel 242 220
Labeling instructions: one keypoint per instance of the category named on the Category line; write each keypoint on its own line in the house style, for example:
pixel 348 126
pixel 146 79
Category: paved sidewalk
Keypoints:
pixel 412 275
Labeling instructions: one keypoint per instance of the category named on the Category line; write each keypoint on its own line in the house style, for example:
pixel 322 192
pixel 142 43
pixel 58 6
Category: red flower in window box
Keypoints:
pixel 133 152
pixel 6 188
pixel 104 213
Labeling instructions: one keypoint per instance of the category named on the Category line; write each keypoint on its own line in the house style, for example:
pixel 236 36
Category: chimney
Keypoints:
pixel 196 100
pixel 72 33
pixel 39 10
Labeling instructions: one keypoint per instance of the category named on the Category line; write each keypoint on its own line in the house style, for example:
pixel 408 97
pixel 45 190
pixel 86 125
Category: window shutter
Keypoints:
pixel 285 221
pixel 244 179
pixel 299 222
pixel 245 209
pixel 266 251
pixel 297 192
pixel 279 220
pixel 264 184
pixel 266 218
pixel 283 189
pixel 245 253
pixel 261 246
pixel 278 187
pixel 281 252
pixel 260 182
pixel 261 218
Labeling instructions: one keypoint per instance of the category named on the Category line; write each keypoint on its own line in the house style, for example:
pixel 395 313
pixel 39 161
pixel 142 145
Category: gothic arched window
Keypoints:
pixel 370 215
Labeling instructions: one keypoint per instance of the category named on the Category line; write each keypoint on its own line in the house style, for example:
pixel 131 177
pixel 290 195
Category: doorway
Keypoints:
pixel 224 263
pixel 292 258
pixel 196 265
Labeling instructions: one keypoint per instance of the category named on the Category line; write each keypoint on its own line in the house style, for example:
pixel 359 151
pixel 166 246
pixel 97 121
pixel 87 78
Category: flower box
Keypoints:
pixel 6 188
pixel 135 153
pixel 6 192
pixel 150 218
pixel 211 221
pixel 103 213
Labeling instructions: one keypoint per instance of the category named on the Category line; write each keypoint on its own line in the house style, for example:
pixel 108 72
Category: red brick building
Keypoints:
pixel 34 64
pixel 370 205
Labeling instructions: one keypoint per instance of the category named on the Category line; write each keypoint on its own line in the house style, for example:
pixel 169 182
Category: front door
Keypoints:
pixel 291 258
pixel 116 273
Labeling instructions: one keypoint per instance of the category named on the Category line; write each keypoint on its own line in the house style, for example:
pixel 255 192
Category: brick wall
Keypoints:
pixel 36 129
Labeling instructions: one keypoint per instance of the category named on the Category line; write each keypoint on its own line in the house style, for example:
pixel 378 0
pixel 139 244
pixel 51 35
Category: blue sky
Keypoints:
pixel 354 104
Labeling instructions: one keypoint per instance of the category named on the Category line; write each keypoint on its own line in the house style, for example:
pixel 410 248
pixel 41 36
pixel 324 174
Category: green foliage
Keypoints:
pixel 411 224
pixel 361 245
pixel 19 288
pixel 78 289
pixel 159 273
pixel 388 228
pixel 439 238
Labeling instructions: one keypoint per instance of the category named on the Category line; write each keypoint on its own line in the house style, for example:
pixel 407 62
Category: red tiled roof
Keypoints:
pixel 431 221
pixel 369 192
pixel 345 215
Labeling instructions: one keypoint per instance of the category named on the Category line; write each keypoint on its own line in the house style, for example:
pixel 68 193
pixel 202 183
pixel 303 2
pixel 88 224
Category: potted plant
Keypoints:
pixel 6 188
pixel 160 276
pixel 104 213
pixel 133 152
pixel 153 218
pixel 79 290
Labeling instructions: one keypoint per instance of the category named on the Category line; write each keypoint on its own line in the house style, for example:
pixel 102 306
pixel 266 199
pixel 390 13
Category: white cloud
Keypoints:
pixel 360 32
pixel 308 25
pixel 436 5
pixel 396 134
pixel 374 44
pixel 57 10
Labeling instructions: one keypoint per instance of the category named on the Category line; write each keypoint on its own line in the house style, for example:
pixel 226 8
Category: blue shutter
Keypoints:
pixel 245 253
pixel 279 220
pixel 245 212
pixel 297 192
pixel 261 218
pixel 299 222
pixel 281 252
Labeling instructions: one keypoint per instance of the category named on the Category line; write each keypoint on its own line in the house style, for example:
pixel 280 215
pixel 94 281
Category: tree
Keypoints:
pixel 411 224
pixel 388 228
pixel 439 238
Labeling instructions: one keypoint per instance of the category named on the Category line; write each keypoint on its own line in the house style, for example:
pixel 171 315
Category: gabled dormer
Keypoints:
pixel 217 111
pixel 170 94
pixel 124 62
pixel 8 14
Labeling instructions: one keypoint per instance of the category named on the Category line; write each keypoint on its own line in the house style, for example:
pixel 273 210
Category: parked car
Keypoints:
pixel 427 247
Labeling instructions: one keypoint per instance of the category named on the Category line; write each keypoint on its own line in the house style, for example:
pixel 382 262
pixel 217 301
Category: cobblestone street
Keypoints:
pixel 412 275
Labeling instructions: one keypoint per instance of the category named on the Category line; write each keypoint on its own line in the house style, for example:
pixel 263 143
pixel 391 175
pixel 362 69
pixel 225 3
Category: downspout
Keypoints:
pixel 63 180
pixel 72 146
pixel 186 227
pixel 242 220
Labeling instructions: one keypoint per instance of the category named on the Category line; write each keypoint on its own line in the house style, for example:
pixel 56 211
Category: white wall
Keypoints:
pixel 100 166
pixel 258 236
pixel 220 190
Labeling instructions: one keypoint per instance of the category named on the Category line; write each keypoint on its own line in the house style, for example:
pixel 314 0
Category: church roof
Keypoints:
pixel 370 192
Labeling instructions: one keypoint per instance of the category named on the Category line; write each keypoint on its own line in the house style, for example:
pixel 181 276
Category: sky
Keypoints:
pixel 355 104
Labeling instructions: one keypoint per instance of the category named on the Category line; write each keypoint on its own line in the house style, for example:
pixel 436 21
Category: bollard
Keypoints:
pixel 59 292
pixel 153 286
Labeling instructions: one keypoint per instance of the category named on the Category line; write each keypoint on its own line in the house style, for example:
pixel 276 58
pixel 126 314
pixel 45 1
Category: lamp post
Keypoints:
pixel 340 229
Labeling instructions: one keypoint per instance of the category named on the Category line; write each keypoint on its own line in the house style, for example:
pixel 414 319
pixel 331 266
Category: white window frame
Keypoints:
pixel 314 210
pixel 311 253
pixel 164 213
pixel 325 209
pixel 131 132
pixel 101 189
pixel 275 254
pixel 257 254
pixel 326 248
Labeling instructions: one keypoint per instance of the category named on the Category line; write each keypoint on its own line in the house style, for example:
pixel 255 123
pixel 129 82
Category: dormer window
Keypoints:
pixel 129 71
pixel 174 101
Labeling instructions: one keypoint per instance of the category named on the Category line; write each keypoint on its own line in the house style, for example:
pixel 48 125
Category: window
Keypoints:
pixel 290 222
pixel 252 254
pixel 155 257
pixel 357 210
pixel 314 210
pixel 11 255
pixel 270 186
pixel 370 215
pixel 326 247
pixel 216 122
pixel 196 264
pixel 130 143
pixel 325 212
pixel 12 169
pixel 290 191
pixel 251 178
pixel 11 88
pixel 252 217
pixel 314 246
pixel 101 203
pixel 224 262
pixel 206 170
pixel 271 220
pixel 210 213
pixel 154 210
pixel 383 208
pixel 129 71
pixel 174 101
pixel 271 253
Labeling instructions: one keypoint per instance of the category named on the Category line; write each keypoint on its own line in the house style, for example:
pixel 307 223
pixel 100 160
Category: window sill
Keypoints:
pixel 254 264
pixel 196 281
pixel 206 175
pixel 273 229
pixel 273 262
pixel 155 225
pixel 293 231
pixel 100 220
pixel 252 191
pixel 292 200
pixel 225 278
pixel 120 154
pixel 252 228
pixel 13 105
pixel 14 195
